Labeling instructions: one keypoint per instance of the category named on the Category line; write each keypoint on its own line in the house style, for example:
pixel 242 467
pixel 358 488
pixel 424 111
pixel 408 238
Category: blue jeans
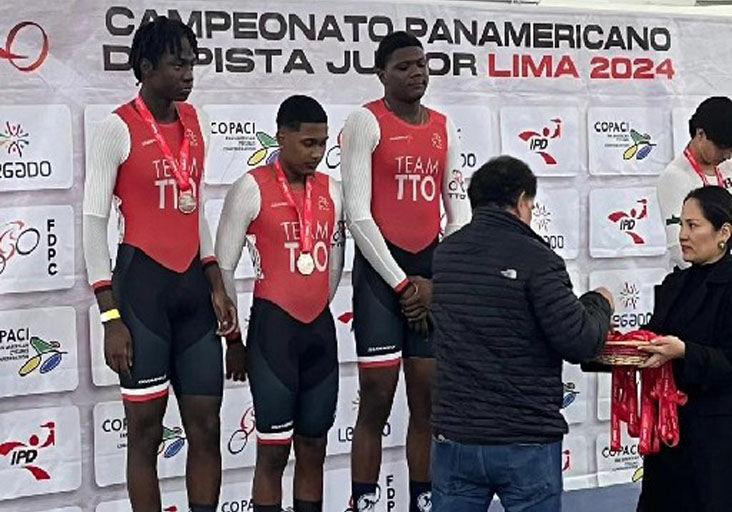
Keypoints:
pixel 526 477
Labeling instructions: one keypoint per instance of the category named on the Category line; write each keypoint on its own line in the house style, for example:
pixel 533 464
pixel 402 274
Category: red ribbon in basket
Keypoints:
pixel 658 419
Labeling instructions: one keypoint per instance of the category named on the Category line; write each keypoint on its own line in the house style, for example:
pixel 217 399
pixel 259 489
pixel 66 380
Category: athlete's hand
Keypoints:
pixel 225 313
pixel 118 347
pixel 236 361
pixel 416 298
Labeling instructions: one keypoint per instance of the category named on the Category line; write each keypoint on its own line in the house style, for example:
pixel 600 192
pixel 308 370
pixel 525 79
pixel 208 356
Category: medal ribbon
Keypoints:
pixel 658 418
pixel 304 216
pixel 698 169
pixel 180 165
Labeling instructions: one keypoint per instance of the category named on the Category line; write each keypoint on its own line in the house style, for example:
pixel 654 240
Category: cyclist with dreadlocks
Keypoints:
pixel 165 306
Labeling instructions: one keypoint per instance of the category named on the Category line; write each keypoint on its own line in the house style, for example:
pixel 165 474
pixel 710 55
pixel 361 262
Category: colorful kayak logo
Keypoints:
pixel 570 394
pixel 48 356
pixel 268 152
pixel 23 454
pixel 637 475
pixel 173 442
pixel 641 147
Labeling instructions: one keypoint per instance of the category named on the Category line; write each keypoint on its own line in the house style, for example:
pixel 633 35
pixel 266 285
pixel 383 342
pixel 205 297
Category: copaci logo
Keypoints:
pixel 14 138
pixel 268 152
pixel 637 475
pixel 240 437
pixel 641 147
pixel 16 239
pixel 173 442
pixel 22 454
pixel 619 134
pixel 627 221
pixel 23 62
pixel 538 142
pixel 47 357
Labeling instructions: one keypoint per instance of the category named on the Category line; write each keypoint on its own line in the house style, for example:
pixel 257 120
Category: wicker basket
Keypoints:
pixel 623 353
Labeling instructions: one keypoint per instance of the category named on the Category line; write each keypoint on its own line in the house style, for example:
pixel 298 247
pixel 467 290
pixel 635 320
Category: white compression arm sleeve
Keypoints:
pixel 110 148
pixel 360 137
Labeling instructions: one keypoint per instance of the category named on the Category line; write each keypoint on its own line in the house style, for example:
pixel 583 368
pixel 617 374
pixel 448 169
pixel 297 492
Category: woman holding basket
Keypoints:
pixel 693 312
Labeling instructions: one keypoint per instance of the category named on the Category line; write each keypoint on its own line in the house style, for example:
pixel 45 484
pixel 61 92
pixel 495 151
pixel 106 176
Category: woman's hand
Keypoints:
pixel 663 349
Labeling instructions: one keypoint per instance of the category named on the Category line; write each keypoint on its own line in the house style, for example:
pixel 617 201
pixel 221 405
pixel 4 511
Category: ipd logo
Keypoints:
pixel 627 221
pixel 23 454
pixel 539 141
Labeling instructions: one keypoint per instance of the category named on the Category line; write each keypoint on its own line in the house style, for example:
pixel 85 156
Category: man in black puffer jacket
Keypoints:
pixel 505 317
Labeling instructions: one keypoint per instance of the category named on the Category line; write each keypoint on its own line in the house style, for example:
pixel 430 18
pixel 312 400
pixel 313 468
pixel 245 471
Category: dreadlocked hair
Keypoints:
pixel 153 38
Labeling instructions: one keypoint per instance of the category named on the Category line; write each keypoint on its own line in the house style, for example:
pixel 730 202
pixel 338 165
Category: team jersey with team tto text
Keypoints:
pixel 276 232
pixel 148 193
pixel 408 166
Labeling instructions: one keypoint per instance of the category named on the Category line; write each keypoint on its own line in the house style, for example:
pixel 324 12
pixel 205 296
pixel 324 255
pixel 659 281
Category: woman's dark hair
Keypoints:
pixel 153 38
pixel 500 182
pixel 716 205
pixel 714 116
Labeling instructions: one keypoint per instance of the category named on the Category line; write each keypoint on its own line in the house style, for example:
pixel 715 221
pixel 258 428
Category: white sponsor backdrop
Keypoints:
pixel 523 94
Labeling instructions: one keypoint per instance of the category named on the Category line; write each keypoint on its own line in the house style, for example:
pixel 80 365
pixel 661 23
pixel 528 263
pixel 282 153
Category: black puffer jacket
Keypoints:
pixel 505 317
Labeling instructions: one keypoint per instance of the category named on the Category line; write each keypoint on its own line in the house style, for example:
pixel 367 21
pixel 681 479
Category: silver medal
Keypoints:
pixel 187 202
pixel 305 264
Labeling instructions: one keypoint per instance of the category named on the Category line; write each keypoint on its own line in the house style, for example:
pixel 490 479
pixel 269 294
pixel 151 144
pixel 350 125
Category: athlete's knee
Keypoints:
pixel 375 406
pixel 144 431
pixel 310 450
pixel 272 459
pixel 204 430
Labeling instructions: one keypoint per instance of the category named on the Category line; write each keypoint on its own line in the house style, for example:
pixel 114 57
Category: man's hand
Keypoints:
pixel 118 347
pixel 236 361
pixel 416 298
pixel 662 350
pixel 225 313
pixel 608 296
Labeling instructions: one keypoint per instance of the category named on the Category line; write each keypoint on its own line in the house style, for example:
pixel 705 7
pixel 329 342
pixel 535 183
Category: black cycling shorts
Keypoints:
pixel 382 334
pixel 173 326
pixel 293 373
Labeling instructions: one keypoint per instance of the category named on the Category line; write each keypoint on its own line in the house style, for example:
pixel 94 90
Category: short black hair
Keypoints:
pixel 153 38
pixel 714 116
pixel 716 205
pixel 299 109
pixel 500 182
pixel 392 43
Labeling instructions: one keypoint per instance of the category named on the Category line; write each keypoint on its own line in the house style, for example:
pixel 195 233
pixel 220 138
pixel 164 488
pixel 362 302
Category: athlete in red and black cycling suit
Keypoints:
pixel 292 215
pixel 399 162
pixel 161 305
